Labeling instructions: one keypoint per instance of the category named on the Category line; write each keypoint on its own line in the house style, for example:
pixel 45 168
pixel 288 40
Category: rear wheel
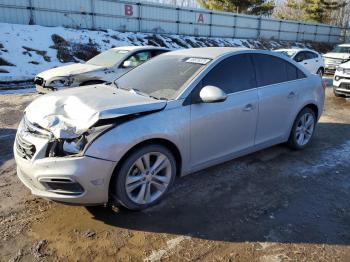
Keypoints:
pixel 303 129
pixel 144 177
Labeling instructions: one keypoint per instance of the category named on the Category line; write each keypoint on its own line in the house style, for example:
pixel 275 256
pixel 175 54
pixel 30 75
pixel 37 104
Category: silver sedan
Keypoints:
pixel 178 113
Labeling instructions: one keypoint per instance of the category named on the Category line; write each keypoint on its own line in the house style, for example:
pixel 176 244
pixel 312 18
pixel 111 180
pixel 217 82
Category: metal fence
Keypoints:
pixel 164 19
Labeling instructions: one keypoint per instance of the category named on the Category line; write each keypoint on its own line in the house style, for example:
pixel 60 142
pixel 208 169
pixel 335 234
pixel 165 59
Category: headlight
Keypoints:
pixel 340 69
pixel 66 81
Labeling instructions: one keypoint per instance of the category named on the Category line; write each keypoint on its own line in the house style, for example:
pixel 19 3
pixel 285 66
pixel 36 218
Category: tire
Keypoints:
pixel 302 132
pixel 92 82
pixel 134 180
pixel 320 72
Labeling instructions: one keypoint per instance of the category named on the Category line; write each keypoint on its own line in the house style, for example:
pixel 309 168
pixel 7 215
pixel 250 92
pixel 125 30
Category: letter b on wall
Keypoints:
pixel 128 10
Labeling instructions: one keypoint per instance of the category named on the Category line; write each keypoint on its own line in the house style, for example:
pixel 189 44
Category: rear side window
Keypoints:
pixel 273 70
pixel 233 74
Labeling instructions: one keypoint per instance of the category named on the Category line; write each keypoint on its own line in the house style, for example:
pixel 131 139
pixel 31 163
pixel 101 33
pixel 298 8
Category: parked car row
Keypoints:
pixel 115 62
pixel 124 142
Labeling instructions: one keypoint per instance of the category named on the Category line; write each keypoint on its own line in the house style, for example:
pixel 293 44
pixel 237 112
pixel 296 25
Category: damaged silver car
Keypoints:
pixel 104 67
pixel 178 113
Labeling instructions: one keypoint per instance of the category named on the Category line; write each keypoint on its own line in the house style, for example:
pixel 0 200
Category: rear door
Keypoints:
pixel 223 128
pixel 278 91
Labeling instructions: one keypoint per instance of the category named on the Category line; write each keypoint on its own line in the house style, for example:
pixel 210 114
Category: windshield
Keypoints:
pixel 162 77
pixel 108 58
pixel 287 53
pixel 341 49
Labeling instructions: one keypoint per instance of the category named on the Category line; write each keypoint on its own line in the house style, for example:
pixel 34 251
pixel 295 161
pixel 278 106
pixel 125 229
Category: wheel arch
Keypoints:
pixel 310 105
pixel 159 141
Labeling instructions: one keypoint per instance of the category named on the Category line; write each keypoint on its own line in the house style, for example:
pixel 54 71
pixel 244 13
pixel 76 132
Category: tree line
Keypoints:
pixel 321 11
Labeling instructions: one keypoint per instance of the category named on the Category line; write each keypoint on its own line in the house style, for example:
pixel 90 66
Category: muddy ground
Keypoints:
pixel 273 205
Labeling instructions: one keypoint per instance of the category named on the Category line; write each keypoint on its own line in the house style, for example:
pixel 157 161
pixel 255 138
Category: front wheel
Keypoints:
pixel 144 177
pixel 303 129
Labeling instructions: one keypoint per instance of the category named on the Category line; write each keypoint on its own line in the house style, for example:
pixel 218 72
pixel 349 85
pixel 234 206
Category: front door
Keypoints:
pixel 221 129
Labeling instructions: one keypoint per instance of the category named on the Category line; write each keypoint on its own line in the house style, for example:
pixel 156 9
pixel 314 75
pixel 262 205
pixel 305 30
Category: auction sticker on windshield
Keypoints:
pixel 195 60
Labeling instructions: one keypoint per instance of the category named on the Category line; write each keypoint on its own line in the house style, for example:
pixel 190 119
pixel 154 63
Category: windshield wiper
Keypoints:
pixel 136 91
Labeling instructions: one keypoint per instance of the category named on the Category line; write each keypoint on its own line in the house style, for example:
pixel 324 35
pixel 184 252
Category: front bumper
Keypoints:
pixel 341 84
pixel 90 175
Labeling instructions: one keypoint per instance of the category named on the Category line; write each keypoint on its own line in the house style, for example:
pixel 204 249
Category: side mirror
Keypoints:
pixel 128 64
pixel 212 94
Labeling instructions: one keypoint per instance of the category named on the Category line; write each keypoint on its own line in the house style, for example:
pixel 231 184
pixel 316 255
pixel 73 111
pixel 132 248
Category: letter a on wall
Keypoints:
pixel 200 18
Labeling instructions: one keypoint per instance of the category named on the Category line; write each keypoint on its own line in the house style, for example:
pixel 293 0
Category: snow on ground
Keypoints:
pixel 26 50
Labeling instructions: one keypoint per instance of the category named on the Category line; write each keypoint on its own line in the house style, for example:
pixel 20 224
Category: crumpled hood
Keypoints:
pixel 73 69
pixel 71 112
pixel 337 55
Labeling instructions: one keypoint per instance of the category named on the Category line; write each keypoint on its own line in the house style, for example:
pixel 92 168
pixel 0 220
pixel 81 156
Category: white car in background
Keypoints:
pixel 339 55
pixel 308 58
pixel 341 80
pixel 102 68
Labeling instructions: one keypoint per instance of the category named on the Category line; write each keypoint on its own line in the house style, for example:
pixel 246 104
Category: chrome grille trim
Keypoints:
pixel 24 148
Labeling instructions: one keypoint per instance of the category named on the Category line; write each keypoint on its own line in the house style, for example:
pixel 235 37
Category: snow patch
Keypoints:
pixel 31 50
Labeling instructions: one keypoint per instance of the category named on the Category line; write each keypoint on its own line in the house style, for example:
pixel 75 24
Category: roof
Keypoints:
pixel 295 49
pixel 134 48
pixel 206 52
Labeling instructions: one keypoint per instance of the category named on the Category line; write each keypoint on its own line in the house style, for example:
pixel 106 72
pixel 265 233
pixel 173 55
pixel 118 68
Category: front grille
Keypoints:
pixel 24 148
pixel 39 81
pixel 345 86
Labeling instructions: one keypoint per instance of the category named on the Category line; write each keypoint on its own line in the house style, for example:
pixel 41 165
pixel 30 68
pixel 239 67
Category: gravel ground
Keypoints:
pixel 273 205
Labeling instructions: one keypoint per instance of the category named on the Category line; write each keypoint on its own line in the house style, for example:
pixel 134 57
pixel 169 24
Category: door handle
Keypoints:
pixel 305 63
pixel 248 107
pixel 291 94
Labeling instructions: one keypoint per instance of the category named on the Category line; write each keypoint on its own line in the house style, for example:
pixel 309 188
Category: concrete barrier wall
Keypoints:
pixel 155 18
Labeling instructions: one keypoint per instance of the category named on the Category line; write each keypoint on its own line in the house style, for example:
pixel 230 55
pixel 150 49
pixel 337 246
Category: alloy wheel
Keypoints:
pixel 148 178
pixel 304 129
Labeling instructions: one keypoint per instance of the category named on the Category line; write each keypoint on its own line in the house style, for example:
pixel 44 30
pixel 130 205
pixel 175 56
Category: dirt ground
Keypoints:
pixel 273 205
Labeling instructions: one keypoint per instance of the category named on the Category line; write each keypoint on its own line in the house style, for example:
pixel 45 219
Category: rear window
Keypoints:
pixel 273 70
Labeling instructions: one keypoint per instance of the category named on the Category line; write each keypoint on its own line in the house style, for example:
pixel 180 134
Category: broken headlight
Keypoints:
pixel 75 146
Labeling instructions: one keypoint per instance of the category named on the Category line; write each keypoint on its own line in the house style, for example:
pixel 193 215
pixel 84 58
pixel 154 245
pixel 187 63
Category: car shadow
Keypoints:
pixel 7 136
pixel 276 195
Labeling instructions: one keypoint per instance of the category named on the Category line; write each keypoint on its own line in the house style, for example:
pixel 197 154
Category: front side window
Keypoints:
pixel 163 77
pixel 108 58
pixel 310 55
pixel 273 70
pixel 233 74
pixel 138 58
pixel 301 56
